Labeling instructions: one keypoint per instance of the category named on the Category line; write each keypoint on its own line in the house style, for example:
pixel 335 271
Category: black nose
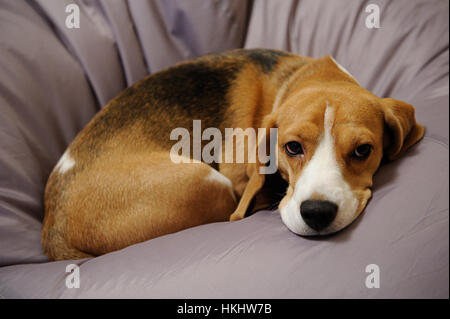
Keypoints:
pixel 318 214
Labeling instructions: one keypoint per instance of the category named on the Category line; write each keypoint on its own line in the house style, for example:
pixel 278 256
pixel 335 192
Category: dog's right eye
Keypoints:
pixel 362 151
pixel 293 148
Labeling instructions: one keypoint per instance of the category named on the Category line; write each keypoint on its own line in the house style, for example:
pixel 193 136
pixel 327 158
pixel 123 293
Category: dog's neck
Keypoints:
pixel 274 88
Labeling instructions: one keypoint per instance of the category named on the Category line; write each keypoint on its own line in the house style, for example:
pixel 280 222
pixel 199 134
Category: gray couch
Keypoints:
pixel 54 79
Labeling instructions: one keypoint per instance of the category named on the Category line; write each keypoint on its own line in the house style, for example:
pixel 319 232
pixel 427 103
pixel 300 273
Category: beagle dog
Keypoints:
pixel 117 183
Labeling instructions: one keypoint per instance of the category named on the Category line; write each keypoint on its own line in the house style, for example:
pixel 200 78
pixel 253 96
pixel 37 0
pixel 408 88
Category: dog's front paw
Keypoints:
pixel 235 216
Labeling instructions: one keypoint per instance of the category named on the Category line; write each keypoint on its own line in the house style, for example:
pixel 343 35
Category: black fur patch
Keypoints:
pixel 195 90
pixel 264 58
pixel 169 99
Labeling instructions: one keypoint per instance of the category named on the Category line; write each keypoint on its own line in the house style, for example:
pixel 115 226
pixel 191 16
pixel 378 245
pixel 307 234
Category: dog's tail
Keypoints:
pixel 56 247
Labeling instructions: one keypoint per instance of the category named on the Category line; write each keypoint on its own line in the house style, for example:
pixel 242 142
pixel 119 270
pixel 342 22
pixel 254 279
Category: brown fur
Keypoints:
pixel 124 189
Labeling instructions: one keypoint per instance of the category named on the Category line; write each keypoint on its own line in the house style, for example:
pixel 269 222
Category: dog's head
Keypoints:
pixel 332 136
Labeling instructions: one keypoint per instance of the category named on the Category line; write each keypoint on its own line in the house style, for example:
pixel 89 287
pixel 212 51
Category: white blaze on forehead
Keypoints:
pixel 343 69
pixel 65 163
pixel 321 176
pixel 328 121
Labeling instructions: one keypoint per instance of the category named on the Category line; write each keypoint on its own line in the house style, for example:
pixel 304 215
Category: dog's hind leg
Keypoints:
pixel 142 196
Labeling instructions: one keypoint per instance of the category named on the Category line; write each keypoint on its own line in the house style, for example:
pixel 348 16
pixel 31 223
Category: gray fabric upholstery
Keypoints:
pixel 53 80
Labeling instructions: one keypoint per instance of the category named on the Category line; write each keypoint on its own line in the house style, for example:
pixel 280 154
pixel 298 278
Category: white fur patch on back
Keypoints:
pixel 323 176
pixel 343 69
pixel 65 163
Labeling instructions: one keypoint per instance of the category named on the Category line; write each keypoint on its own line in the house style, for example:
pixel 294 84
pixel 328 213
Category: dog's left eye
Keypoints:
pixel 293 148
pixel 362 151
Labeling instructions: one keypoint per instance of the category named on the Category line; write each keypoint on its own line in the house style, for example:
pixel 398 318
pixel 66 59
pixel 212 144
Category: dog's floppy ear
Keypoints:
pixel 254 172
pixel 403 130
